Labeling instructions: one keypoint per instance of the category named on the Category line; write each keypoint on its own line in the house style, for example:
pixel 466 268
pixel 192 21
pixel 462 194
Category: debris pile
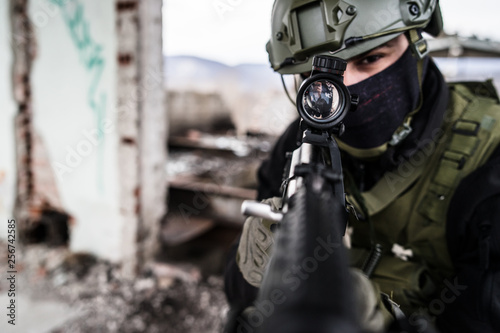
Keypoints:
pixel 209 175
pixel 163 298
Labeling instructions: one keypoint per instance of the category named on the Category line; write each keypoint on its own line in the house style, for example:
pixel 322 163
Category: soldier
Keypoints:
pixel 421 162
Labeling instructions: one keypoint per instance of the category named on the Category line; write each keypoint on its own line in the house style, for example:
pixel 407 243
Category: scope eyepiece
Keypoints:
pixel 323 99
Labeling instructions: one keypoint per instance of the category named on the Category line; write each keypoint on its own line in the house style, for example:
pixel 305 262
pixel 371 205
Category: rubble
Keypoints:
pixel 205 154
pixel 163 298
pixel 208 176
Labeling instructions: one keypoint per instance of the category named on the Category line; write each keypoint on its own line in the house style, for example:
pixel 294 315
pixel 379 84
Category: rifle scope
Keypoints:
pixel 323 99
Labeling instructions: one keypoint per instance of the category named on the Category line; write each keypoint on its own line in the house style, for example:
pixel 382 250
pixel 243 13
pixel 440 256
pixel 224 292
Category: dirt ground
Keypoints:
pixel 171 298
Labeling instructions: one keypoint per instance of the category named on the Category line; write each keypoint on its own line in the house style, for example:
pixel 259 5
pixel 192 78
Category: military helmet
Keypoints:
pixel 303 28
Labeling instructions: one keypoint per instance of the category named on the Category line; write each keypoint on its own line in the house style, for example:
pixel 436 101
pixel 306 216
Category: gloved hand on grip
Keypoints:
pixel 255 245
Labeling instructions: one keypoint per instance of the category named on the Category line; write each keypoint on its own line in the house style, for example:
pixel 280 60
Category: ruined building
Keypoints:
pixel 82 126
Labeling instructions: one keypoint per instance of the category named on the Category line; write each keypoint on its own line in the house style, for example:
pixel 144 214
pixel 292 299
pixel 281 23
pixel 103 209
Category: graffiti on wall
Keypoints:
pixel 91 56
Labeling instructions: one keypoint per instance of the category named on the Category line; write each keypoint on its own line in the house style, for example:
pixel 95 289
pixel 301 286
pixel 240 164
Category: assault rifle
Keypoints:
pixel 307 279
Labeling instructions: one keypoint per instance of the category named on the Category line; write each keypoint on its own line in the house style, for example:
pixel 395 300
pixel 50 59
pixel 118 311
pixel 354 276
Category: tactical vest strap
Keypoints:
pixel 419 50
pixel 387 189
pixel 474 126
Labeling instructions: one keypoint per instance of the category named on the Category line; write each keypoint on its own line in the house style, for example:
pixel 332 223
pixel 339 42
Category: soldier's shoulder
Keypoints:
pixel 476 89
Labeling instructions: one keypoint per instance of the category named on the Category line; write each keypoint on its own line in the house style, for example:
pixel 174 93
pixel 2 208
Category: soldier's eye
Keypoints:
pixel 370 59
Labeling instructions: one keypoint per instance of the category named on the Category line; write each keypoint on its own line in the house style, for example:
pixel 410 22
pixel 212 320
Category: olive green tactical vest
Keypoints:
pixel 408 206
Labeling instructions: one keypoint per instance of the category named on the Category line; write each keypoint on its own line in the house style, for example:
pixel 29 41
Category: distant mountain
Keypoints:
pixel 188 73
pixel 193 73
pixel 252 96
pixel 189 69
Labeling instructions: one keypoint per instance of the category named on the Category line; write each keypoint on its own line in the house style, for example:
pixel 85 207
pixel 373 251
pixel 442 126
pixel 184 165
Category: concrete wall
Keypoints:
pixel 90 122
pixel 73 83
pixel 196 110
pixel 7 112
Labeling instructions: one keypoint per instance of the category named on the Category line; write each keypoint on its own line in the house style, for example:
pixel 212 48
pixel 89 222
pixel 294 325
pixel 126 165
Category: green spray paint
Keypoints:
pixel 90 53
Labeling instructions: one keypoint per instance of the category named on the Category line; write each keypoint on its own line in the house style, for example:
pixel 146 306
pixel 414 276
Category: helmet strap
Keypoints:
pixel 420 50
pixel 286 89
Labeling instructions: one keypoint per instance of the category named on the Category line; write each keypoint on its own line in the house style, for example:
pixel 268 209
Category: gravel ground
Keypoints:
pixel 163 298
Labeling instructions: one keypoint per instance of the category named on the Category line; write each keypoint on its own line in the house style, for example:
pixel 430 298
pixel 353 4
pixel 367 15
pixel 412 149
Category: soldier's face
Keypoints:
pixel 365 65
pixel 317 87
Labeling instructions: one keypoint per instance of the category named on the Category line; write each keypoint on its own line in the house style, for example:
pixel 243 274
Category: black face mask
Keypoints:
pixel 384 101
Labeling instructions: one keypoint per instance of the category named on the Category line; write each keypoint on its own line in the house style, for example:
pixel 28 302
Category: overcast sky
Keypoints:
pixel 236 31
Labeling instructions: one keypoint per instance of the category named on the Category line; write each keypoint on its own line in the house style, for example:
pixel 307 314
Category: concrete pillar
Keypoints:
pixel 153 130
pixel 8 112
pixel 140 100
pixel 127 94
pixel 23 51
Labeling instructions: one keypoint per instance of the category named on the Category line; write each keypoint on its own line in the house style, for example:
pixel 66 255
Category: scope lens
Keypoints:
pixel 321 100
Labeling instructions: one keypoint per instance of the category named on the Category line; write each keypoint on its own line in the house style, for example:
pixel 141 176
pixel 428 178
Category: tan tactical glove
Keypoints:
pixel 255 245
pixel 253 255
